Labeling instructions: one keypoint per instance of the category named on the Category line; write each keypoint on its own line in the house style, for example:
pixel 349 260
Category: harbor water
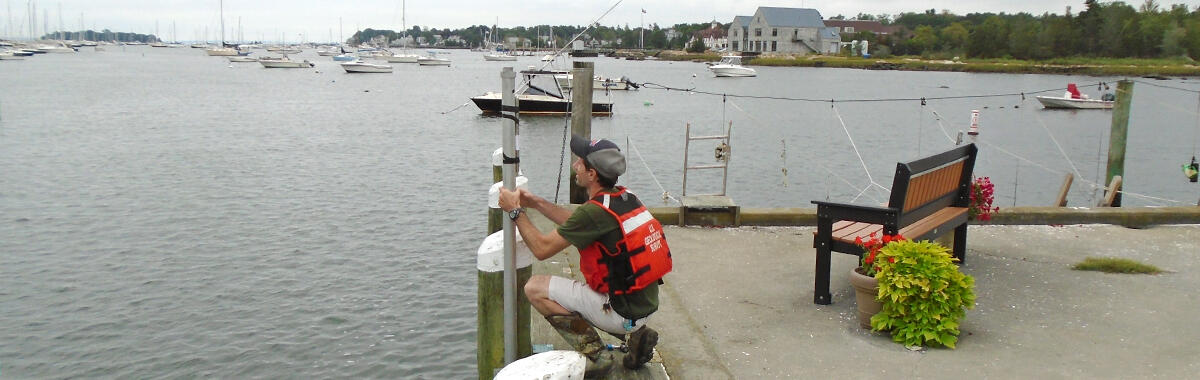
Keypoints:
pixel 168 214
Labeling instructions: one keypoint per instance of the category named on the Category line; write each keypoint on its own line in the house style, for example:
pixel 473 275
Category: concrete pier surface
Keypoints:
pixel 739 305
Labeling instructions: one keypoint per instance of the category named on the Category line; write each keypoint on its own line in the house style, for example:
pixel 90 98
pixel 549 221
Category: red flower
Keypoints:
pixel 871 248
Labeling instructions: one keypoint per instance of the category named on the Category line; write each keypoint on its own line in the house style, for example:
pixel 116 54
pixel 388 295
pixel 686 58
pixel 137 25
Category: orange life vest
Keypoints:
pixel 639 259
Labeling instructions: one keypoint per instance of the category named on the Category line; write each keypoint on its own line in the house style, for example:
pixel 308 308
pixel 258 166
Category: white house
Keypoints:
pixel 781 30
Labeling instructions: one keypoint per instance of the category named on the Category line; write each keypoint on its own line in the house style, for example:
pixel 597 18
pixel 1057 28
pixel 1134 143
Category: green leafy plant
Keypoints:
pixel 923 293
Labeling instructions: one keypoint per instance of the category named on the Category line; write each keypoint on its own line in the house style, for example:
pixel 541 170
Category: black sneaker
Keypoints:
pixel 641 347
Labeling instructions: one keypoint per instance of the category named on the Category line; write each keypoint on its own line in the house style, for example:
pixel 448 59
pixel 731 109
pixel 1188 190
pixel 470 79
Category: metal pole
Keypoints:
pixel 511 158
pixel 1118 132
pixel 581 115
pixel 687 141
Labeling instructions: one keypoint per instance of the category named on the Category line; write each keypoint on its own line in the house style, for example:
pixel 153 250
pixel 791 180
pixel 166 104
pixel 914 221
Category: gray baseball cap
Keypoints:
pixel 602 155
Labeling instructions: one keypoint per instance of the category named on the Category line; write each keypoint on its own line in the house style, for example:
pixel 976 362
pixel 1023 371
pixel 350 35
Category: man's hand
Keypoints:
pixel 509 199
pixel 527 198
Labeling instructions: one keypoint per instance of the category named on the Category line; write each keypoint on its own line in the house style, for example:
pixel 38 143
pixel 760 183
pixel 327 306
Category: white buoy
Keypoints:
pixel 550 365
pixel 974 123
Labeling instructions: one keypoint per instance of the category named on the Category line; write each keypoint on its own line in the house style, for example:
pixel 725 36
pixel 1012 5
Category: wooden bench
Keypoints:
pixel 929 198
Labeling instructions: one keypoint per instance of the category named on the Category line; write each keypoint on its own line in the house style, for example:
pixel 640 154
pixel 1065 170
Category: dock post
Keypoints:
pixel 1117 135
pixel 581 115
pixel 504 265
pixel 494 212
pixel 1062 192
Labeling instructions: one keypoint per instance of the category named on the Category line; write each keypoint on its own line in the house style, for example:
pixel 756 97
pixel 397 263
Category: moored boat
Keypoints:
pixel 1072 99
pixel 433 60
pixel 538 101
pixel 285 63
pixel 731 66
pixel 402 58
pixel 499 56
pixel 364 67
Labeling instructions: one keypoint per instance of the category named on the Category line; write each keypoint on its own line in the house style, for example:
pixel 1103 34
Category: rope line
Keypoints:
pixel 1091 184
pixel 938 117
pixel 1057 145
pixel 666 194
pixel 857 153
pixel 810 159
pixel 456 108
pixel 656 86
pixel 562 157
pixel 1165 86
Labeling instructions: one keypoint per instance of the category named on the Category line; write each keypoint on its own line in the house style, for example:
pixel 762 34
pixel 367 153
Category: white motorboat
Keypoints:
pixel 402 58
pixel 433 60
pixel 1066 102
pixel 6 56
pixel 61 48
pixel 731 66
pixel 599 83
pixel 499 56
pixel 241 58
pixel 221 52
pixel 285 63
pixel 1075 100
pixel 364 67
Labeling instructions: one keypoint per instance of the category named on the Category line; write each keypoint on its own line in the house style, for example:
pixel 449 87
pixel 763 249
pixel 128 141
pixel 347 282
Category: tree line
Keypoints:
pixel 655 37
pixel 1114 29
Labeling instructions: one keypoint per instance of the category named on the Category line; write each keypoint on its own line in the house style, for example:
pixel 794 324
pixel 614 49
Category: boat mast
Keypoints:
pixel 222 4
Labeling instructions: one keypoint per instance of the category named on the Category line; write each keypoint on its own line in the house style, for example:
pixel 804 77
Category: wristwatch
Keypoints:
pixel 515 213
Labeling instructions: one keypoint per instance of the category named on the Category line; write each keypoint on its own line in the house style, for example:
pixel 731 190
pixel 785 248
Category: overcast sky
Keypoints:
pixel 318 20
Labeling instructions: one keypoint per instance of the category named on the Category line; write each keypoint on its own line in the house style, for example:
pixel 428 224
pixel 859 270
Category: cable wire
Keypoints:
pixel 656 86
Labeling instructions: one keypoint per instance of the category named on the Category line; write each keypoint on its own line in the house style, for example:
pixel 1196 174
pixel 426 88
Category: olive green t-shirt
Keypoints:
pixel 591 223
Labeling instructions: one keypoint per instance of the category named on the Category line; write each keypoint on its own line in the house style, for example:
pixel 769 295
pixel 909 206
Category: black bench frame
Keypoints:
pixel 893 218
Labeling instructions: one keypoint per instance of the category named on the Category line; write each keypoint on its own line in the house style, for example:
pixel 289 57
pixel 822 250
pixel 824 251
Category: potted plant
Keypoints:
pixel 863 277
pixel 980 206
pixel 924 294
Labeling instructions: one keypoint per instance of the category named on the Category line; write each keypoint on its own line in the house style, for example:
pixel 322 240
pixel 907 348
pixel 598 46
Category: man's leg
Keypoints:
pixel 570 325
pixel 537 289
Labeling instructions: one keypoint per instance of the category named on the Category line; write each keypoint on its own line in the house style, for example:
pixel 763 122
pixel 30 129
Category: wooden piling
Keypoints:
pixel 1118 134
pixel 1113 193
pixel 581 115
pixel 1062 192
pixel 490 319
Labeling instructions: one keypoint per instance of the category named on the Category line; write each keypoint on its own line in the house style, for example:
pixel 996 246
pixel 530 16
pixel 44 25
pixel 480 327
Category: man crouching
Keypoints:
pixel 623 255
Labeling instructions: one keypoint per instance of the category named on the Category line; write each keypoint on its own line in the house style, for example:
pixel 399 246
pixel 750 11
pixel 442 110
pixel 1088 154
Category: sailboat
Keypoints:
pixel 403 56
pixel 495 53
pixel 222 51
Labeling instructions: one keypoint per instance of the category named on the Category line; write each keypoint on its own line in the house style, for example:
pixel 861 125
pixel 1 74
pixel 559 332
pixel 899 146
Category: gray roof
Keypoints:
pixel 792 17
pixel 741 20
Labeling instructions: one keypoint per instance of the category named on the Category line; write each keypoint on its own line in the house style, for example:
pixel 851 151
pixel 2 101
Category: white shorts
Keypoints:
pixel 578 297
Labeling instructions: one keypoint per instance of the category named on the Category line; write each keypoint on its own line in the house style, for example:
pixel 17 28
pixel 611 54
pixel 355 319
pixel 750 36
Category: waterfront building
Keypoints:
pixel 798 31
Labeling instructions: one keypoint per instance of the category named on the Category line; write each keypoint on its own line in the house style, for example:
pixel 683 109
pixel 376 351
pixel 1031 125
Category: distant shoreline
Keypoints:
pixel 1092 67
